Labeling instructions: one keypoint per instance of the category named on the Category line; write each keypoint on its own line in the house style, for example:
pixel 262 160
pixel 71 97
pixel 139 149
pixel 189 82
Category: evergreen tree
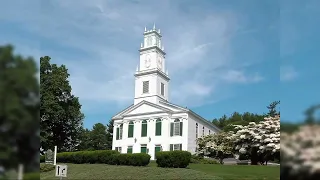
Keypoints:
pixel 60 111
pixel 109 134
pixel 99 137
pixel 273 108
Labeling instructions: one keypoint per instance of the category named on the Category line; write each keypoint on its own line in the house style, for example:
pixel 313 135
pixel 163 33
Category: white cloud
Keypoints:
pixel 288 73
pixel 109 33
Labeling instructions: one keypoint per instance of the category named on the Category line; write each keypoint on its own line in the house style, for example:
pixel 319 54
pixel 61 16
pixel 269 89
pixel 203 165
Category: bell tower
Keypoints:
pixel 151 77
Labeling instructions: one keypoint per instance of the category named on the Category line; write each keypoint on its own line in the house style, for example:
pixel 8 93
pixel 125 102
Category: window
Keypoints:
pixel 162 89
pixel 130 129
pixel 118 149
pixel 143 148
pixel 129 150
pixel 158 127
pixel 196 130
pixel 119 132
pixel 144 128
pixel 176 128
pixel 175 147
pixel 145 88
pixel 203 131
pixel 209 132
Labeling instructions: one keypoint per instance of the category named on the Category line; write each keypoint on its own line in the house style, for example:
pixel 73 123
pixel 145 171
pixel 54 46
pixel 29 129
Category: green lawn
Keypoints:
pixel 194 171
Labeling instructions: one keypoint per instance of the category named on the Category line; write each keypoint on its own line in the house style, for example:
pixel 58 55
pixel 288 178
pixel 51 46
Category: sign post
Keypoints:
pixel 61 171
pixel 55 156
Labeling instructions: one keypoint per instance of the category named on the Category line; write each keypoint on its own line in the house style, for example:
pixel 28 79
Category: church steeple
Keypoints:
pixel 152 78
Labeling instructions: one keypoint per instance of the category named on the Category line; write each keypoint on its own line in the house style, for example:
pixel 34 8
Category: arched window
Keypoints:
pixel 158 127
pixel 130 129
pixel 176 128
pixel 209 132
pixel 203 131
pixel 197 130
pixel 144 128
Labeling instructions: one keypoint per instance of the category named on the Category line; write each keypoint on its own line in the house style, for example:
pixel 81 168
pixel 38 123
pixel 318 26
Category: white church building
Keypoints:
pixel 152 123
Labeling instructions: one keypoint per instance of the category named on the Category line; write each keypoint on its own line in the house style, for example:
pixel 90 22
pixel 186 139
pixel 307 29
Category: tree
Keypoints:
pixel 19 111
pixel 85 140
pixel 219 145
pixel 109 134
pixel 99 137
pixel 259 139
pixel 273 109
pixel 60 111
pixel 310 114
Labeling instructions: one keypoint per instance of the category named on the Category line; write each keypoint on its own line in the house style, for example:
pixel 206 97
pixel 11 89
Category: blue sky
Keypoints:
pixel 222 55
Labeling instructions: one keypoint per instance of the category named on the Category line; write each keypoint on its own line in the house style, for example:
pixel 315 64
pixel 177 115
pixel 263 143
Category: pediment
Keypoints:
pixel 144 107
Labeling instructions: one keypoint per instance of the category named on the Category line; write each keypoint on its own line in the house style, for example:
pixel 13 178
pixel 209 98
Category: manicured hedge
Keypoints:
pixel 104 157
pixel 136 159
pixel 31 176
pixel 175 159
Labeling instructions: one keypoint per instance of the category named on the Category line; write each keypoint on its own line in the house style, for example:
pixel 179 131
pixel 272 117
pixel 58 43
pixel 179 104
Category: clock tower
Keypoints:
pixel 151 80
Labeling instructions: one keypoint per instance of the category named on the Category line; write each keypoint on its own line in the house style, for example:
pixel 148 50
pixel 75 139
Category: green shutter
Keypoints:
pixel 171 129
pixel 130 132
pixel 117 134
pixel 180 147
pixel 143 150
pixel 158 128
pixel 129 150
pixel 171 147
pixel 181 128
pixel 144 130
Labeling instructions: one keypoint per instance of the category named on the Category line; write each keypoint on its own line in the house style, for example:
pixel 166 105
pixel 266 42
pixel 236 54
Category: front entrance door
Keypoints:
pixel 157 149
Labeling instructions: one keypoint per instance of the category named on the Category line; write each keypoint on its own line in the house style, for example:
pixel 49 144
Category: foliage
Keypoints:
pixel 47 167
pixel 173 159
pixel 136 159
pixel 273 109
pixel 258 138
pixel 300 153
pixel 19 111
pixel 31 176
pixel 200 160
pixel 60 111
pixel 109 134
pixel 104 157
pixel 310 114
pixel 42 158
pixel 217 145
pixel 226 123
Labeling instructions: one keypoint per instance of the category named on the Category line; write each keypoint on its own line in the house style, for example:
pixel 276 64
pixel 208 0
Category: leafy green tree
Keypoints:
pixel 60 111
pixel 19 111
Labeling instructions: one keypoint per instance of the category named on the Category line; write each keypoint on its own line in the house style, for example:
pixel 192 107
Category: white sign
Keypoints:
pixel 61 170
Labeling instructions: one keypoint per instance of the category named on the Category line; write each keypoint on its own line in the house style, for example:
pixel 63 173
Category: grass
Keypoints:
pixel 194 171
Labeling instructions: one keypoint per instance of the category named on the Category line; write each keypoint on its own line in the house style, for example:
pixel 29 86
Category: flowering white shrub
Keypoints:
pixel 264 136
pixel 217 145
pixel 301 150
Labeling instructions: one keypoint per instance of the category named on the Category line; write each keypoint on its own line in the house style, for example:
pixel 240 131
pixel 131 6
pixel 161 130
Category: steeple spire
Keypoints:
pixel 154 26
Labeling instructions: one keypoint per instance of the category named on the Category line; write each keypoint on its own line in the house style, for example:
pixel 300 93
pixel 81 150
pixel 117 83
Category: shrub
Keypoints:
pixel 42 159
pixel 200 160
pixel 46 167
pixel 104 157
pixel 31 176
pixel 175 159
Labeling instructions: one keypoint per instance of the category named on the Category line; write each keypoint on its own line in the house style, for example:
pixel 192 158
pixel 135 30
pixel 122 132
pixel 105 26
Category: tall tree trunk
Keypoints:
pixel 254 156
